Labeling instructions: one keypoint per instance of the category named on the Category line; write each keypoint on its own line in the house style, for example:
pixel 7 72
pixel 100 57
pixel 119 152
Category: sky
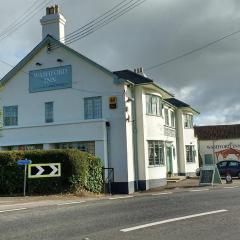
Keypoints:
pixel 150 34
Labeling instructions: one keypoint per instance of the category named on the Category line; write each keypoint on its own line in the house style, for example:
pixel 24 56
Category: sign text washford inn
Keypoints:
pixel 50 79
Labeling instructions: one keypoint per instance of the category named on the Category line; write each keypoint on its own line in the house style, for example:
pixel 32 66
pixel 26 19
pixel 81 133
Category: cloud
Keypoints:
pixel 152 33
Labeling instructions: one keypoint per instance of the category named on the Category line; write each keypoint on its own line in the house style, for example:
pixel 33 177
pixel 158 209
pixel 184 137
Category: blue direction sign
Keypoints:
pixel 24 162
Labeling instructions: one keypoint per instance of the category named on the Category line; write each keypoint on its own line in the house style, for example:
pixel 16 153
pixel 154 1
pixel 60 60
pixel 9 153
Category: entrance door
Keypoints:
pixel 169 160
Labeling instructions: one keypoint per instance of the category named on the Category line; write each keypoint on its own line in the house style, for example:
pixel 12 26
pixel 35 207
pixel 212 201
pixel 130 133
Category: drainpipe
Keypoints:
pixel 135 136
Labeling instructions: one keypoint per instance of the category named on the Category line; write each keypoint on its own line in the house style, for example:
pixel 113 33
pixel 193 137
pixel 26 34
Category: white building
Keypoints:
pixel 57 98
pixel 218 142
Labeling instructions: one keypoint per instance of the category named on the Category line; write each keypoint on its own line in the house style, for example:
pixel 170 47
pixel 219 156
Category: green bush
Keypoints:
pixel 80 170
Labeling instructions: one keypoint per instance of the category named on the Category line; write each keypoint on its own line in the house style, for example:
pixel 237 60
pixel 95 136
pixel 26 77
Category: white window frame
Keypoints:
pixel 49 113
pixel 153 105
pixel 188 121
pixel 173 119
pixel 190 153
pixel 10 117
pixel 93 107
pixel 156 153
pixel 166 116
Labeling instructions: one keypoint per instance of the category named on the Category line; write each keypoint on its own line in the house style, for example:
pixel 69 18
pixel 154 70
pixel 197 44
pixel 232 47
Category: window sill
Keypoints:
pixel 154 166
pixel 152 115
pixel 171 127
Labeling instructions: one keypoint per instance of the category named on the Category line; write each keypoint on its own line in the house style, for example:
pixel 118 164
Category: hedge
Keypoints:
pixel 80 171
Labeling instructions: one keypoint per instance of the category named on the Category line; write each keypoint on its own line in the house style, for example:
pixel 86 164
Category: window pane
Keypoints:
pixel 172 119
pixel 10 116
pixel 148 104
pixel 151 153
pixel 190 153
pixel 93 108
pixel 153 105
pixel 49 112
pixel 166 116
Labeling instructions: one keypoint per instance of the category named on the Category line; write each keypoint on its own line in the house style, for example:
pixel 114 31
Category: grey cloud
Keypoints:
pixel 150 34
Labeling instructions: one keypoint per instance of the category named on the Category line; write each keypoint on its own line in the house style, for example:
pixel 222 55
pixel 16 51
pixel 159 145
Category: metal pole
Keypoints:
pixel 25 180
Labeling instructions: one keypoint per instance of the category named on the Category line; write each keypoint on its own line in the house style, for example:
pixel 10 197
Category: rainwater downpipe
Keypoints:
pixel 135 136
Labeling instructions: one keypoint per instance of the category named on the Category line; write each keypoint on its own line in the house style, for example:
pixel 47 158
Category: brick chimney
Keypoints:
pixel 53 23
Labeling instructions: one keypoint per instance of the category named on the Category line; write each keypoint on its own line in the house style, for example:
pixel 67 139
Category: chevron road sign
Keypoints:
pixel 44 170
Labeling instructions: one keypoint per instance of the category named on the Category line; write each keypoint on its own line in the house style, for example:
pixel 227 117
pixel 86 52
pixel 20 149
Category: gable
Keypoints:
pixel 47 43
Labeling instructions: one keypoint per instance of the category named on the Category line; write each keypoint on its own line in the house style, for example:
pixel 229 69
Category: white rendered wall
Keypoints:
pixel 185 137
pixel 69 123
pixel 213 146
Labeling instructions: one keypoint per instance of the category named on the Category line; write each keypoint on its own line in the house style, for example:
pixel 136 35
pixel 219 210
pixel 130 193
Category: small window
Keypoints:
pixel 188 121
pixel 166 115
pixel 10 116
pixel 48 112
pixel 190 153
pixel 153 105
pixel 93 108
pixel 172 119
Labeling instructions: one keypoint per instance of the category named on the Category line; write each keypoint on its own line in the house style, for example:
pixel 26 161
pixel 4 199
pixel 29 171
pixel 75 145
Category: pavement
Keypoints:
pixel 179 213
pixel 61 198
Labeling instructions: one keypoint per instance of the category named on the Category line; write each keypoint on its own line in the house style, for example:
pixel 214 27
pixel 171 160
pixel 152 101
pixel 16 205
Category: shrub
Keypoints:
pixel 79 170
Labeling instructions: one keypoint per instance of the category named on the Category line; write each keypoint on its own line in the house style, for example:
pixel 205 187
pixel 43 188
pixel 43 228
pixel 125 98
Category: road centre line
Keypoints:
pixel 232 187
pixel 199 190
pixel 12 210
pixel 69 203
pixel 171 220
pixel 163 193
pixel 116 198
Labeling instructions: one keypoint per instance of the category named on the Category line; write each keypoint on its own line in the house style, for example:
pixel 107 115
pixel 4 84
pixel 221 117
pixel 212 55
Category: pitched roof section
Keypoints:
pixel 133 77
pixel 217 132
pixel 139 79
pixel 43 43
pixel 179 104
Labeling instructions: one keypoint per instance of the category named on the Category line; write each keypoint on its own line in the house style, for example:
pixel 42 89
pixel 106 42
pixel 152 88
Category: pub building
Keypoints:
pixel 56 98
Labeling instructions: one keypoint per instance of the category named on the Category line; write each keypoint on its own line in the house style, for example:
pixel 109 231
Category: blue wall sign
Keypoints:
pixel 50 79
pixel 24 162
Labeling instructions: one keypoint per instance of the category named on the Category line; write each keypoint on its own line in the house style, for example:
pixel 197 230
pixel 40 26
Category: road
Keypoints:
pixel 202 213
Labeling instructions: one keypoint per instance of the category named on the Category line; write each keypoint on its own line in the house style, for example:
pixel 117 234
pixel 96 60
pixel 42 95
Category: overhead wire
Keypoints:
pixel 191 51
pixel 27 16
pixel 101 21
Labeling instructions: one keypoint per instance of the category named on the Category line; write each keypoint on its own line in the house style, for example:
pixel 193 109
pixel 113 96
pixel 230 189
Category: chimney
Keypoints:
pixel 140 71
pixel 53 23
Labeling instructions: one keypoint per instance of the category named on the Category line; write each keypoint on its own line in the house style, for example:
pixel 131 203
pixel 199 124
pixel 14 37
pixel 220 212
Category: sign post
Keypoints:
pixel 24 162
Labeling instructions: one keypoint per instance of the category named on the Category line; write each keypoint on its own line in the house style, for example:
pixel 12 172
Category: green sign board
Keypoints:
pixel 50 79
pixel 209 175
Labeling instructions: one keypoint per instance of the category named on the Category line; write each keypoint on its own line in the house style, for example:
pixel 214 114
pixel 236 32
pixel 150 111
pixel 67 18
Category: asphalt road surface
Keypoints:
pixel 191 214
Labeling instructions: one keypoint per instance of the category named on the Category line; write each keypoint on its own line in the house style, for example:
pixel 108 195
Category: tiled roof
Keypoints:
pixel 177 103
pixel 217 132
pixel 133 77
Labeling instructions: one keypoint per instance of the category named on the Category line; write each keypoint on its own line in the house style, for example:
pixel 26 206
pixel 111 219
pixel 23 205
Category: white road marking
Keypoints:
pixel 171 220
pixel 199 190
pixel 69 203
pixel 12 210
pixel 163 193
pixel 231 187
pixel 115 198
